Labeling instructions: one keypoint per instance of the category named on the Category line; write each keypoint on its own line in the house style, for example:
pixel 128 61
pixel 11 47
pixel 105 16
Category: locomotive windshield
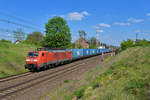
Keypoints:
pixel 33 54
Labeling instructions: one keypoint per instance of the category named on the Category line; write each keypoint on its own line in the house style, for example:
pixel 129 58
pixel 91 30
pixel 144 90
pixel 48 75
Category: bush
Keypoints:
pixel 80 92
pixel 127 44
pixel 35 38
pixel 142 43
pixel 130 43
pixel 6 41
pixel 95 84
pixel 134 86
pixel 4 45
pixel 66 81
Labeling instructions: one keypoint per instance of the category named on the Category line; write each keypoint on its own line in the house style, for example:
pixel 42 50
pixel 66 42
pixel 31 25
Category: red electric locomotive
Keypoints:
pixel 46 58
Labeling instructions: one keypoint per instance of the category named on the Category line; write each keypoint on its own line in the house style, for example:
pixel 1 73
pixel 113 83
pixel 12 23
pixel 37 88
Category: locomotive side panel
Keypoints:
pixel 58 56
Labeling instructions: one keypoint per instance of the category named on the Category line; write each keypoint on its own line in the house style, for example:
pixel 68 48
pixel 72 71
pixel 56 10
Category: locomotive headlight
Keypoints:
pixel 27 59
pixel 35 60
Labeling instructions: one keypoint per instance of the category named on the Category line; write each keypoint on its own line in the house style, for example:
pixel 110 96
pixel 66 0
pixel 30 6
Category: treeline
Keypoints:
pixel 58 35
pixel 131 43
pixel 34 38
pixel 92 41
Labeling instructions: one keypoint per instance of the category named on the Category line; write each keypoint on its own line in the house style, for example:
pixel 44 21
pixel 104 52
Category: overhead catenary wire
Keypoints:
pixel 5 30
pixel 18 24
pixel 21 22
pixel 20 19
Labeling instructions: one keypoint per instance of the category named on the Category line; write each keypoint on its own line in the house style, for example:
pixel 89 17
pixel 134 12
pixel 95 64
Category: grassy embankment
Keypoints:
pixel 12 58
pixel 127 78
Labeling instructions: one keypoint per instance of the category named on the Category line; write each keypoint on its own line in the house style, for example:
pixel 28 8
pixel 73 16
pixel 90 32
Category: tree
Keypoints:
pixel 58 34
pixel 143 42
pixel 127 44
pixel 92 42
pixel 6 41
pixel 19 34
pixel 82 34
pixel 35 38
pixel 130 43
pixel 73 45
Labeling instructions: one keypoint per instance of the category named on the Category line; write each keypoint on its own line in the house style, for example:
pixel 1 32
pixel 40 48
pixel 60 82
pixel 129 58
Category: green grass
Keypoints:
pixel 66 81
pixel 12 58
pixel 128 78
pixel 80 92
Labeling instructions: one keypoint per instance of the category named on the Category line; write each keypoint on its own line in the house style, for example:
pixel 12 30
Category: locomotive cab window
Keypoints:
pixel 42 54
pixel 33 54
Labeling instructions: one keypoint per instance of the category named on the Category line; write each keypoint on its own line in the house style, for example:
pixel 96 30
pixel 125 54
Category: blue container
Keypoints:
pixel 104 50
pixel 86 52
pixel 77 53
pixel 92 51
pixel 97 51
pixel 111 50
pixel 100 51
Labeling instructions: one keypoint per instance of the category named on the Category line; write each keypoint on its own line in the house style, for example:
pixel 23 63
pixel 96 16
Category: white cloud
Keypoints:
pixel 135 20
pixel 101 31
pixel 85 13
pixel 148 14
pixel 105 25
pixel 77 15
pixel 96 27
pixel 122 24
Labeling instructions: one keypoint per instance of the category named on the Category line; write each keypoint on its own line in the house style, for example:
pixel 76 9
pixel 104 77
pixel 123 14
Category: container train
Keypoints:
pixel 46 58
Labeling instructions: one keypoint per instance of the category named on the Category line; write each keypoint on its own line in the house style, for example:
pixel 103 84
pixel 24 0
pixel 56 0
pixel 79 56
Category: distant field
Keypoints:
pixel 12 58
pixel 123 77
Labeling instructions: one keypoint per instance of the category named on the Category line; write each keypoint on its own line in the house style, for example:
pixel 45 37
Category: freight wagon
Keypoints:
pixel 77 53
pixel 46 58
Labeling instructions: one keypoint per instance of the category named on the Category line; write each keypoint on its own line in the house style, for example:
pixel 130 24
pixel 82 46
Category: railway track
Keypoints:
pixel 14 77
pixel 11 89
pixel 10 81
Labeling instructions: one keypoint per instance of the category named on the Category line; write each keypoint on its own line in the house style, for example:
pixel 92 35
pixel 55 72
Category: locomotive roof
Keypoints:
pixel 47 49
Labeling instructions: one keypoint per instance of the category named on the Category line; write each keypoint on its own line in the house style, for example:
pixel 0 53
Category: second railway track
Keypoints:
pixel 16 79
pixel 14 76
pixel 6 91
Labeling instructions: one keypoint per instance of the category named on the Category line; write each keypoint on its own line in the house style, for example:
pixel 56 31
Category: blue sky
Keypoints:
pixel 116 20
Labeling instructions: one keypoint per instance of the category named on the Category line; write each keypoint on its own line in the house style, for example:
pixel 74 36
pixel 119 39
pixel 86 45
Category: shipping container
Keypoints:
pixel 77 53
pixel 92 51
pixel 86 52
pixel 104 50
pixel 100 51
pixel 97 51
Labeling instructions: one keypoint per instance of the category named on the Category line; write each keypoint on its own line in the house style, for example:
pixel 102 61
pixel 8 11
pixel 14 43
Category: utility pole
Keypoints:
pixel 136 36
pixel 97 36
pixel 137 33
